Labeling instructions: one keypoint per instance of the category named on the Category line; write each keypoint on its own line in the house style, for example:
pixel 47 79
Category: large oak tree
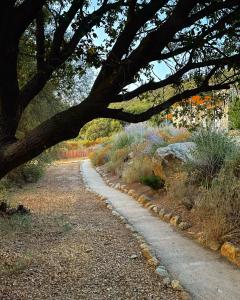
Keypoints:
pixel 198 40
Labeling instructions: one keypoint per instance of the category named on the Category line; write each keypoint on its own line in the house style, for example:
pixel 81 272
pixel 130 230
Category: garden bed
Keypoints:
pixel 190 179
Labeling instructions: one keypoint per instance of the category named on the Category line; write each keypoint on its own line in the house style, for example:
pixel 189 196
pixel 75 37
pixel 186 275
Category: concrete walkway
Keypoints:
pixel 203 273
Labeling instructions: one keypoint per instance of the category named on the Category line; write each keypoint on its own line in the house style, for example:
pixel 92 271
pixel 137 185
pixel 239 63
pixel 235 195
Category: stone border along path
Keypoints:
pixel 202 272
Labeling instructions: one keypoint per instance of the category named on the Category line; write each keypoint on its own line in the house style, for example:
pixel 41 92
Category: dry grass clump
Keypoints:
pixel 100 156
pixel 179 190
pixel 117 159
pixel 220 208
pixel 139 167
pixel 173 135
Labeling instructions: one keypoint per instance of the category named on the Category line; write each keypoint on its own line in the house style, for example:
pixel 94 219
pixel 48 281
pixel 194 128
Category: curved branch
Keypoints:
pixel 151 86
pixel 119 114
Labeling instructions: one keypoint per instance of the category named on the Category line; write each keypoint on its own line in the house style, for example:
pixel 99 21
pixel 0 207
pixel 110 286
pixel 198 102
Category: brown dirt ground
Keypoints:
pixel 71 247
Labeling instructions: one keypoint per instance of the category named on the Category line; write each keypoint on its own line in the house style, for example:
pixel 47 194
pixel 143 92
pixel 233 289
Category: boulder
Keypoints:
pixel 180 151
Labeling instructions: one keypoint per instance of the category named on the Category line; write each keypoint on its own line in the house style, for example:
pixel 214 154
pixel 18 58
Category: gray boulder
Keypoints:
pixel 181 151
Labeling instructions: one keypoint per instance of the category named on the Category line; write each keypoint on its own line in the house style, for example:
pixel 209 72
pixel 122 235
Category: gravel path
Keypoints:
pixel 72 247
pixel 203 273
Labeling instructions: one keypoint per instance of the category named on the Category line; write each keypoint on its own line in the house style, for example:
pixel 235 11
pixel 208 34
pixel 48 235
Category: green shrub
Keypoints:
pixel 29 172
pixel 32 172
pixel 122 140
pixel 100 128
pixel 212 149
pixel 155 182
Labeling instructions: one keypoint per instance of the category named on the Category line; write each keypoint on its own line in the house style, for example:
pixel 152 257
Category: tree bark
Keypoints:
pixel 62 126
pixel 9 90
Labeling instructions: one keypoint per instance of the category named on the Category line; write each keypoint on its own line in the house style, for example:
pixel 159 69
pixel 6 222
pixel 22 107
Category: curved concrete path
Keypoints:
pixel 203 273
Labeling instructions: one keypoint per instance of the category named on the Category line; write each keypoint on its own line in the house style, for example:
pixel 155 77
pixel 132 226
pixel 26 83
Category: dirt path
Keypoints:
pixel 71 247
pixel 203 273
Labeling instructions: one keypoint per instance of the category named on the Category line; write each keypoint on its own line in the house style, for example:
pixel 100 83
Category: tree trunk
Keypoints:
pixel 9 90
pixel 62 126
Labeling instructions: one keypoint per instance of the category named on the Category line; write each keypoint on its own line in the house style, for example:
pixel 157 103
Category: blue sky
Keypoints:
pixel 161 70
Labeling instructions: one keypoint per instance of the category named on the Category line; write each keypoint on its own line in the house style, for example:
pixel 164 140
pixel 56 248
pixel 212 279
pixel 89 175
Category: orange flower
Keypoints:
pixel 169 116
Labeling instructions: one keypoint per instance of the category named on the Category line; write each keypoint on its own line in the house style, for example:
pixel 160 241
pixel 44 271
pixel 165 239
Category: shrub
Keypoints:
pixel 122 140
pixel 138 167
pixel 32 171
pixel 181 191
pixel 212 149
pixel 101 155
pixel 117 159
pixel 171 134
pixel 234 112
pixel 220 208
pixel 155 182
pixel 100 128
pixel 29 172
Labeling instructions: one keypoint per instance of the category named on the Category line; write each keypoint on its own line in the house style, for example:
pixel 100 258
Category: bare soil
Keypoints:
pixel 71 246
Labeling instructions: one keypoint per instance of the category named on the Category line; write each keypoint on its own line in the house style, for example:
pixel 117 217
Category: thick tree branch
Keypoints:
pixel 56 57
pixel 40 40
pixel 119 114
pixel 64 23
pixel 26 13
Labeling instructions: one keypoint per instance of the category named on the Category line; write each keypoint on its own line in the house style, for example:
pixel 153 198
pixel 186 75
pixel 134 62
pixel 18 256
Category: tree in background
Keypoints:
pixel 100 128
pixel 198 40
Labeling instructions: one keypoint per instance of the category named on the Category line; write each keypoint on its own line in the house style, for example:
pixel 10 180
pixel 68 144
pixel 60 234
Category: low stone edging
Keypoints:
pixel 226 249
pixel 146 251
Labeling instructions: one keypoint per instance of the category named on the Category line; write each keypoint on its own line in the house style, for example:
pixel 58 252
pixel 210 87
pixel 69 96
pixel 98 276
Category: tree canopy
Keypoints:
pixel 197 40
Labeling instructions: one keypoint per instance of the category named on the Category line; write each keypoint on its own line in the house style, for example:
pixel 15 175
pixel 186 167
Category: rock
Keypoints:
pixel 143 246
pixel 231 251
pixel 135 195
pixel 214 245
pixel 131 192
pixel 175 220
pixel 181 151
pixel 166 281
pixel 176 285
pixel 153 262
pixel 134 256
pixel 148 204
pixel 117 186
pixel 115 213
pixel 155 209
pixel 147 253
pixel 167 217
pixel 162 212
pixel 150 207
pixel 184 225
pixel 161 270
pixel 88 250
